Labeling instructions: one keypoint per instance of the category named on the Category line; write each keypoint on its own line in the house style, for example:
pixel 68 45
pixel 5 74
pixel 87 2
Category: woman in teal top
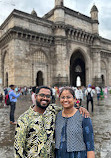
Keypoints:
pixel 74 133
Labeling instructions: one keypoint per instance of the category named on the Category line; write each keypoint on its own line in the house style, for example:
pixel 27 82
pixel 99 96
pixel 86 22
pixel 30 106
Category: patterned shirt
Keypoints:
pixel 34 136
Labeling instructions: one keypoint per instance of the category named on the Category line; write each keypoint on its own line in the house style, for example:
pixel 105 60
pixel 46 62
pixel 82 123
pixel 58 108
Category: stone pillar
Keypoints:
pixel 62 70
pixel 1 69
pixel 109 84
pixel 94 17
pixel 96 71
pixel 59 2
pixel 59 12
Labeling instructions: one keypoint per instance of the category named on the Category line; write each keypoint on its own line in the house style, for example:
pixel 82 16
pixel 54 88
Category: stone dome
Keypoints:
pixel 94 8
pixel 34 13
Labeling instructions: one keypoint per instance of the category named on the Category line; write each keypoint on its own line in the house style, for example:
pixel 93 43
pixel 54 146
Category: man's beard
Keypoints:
pixel 40 106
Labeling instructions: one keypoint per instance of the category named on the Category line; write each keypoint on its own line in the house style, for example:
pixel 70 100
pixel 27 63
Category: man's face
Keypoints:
pixel 43 98
pixel 13 87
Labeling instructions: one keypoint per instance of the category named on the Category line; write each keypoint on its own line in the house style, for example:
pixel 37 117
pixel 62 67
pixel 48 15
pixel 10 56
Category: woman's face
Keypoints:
pixel 67 100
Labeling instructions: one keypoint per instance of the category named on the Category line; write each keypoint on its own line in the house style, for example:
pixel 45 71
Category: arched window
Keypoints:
pixel 78 68
pixel 39 79
pixel 6 79
pixel 102 77
pixel 39 57
pixel 103 65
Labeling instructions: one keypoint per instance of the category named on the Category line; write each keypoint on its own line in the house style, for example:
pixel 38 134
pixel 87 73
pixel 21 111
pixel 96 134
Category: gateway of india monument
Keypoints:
pixel 57 49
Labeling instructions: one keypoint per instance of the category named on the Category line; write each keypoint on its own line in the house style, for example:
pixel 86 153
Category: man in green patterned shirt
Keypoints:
pixel 34 136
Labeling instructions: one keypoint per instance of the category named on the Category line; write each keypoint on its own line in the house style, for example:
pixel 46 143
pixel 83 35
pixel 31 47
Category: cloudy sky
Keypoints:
pixel 43 6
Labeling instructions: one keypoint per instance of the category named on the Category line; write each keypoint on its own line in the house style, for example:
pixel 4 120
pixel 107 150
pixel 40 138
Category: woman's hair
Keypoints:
pixel 69 89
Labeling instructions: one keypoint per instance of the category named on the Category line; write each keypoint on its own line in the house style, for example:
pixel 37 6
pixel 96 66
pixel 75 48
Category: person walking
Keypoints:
pixel 102 94
pixel 98 90
pixel 33 95
pixel 13 99
pixel 73 133
pixel 34 136
pixel 79 94
pixel 106 92
pixel 89 96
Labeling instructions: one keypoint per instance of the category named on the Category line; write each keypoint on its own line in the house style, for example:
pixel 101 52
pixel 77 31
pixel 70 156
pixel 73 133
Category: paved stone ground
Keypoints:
pixel 101 119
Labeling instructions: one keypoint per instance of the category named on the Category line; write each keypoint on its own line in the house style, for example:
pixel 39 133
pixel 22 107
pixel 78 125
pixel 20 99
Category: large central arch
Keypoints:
pixel 77 68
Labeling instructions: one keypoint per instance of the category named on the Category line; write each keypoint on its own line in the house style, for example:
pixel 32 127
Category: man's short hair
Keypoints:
pixel 12 85
pixel 41 87
pixel 33 89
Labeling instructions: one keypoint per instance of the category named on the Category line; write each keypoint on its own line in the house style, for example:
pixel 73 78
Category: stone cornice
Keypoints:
pixel 108 41
pixel 105 53
pixel 78 15
pixel 79 35
pixel 59 25
pixel 102 51
pixel 24 34
pixel 23 15
pixel 49 14
pixel 70 12
pixel 5 38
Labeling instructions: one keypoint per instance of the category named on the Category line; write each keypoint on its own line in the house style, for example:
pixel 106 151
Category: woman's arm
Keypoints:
pixel 88 137
pixel 90 154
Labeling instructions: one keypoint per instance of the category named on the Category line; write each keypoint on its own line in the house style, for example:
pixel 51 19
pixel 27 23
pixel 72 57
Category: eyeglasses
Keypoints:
pixel 44 95
pixel 67 97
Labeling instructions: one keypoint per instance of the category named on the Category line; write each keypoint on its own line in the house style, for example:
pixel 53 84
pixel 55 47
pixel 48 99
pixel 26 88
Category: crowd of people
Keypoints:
pixel 81 93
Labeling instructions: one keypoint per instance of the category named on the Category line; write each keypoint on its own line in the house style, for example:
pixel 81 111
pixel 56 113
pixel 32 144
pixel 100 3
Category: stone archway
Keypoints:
pixel 39 68
pixel 6 79
pixel 5 68
pixel 77 68
pixel 39 79
pixel 102 80
pixel 103 73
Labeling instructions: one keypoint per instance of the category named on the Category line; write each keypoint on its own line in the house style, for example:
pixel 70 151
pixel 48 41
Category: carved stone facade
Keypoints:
pixel 54 49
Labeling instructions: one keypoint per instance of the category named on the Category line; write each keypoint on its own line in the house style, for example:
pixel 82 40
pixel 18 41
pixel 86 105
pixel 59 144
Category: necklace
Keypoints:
pixel 69 114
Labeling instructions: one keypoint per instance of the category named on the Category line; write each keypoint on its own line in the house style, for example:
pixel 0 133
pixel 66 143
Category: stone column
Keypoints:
pixel 96 71
pixel 59 2
pixel 1 69
pixel 62 70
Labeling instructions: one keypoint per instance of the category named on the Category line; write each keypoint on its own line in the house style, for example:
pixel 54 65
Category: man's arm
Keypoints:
pixel 14 95
pixel 84 112
pixel 20 138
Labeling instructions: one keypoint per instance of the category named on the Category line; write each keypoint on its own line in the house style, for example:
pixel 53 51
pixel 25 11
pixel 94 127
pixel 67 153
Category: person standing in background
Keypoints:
pixel 89 96
pixel 13 99
pixel 98 90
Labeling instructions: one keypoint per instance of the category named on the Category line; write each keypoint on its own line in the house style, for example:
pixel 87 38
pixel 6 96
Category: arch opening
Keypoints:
pixel 78 81
pixel 6 80
pixel 103 80
pixel 77 69
pixel 39 79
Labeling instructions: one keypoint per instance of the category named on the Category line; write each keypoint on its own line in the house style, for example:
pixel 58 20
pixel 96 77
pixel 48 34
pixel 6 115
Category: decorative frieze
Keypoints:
pixel 79 35
pixel 23 34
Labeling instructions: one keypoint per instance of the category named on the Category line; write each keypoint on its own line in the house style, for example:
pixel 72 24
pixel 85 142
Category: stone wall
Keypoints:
pixel 78 23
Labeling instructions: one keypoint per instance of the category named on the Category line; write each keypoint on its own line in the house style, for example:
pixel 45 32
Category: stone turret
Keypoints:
pixel 94 13
pixel 33 13
pixel 94 16
pixel 59 12
pixel 59 3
